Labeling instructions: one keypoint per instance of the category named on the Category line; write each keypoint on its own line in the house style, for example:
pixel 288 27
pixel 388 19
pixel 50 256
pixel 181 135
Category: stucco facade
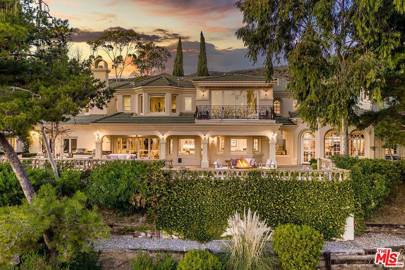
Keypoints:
pixel 204 122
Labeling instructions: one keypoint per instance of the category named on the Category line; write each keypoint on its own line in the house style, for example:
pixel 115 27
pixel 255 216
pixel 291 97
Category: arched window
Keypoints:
pixel 332 143
pixel 277 106
pixel 308 146
pixel 356 144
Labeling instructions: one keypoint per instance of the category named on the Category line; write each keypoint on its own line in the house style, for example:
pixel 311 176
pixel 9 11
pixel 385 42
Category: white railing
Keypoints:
pixel 78 164
pixel 282 174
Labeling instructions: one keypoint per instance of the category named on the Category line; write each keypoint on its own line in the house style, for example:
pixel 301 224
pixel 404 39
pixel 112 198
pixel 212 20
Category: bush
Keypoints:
pixel 33 261
pixel 374 180
pixel 198 207
pixel 124 186
pixel 297 247
pixel 199 260
pixel 71 227
pixel 145 262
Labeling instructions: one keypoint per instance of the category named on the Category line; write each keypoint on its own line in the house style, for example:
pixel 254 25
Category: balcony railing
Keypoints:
pixel 206 112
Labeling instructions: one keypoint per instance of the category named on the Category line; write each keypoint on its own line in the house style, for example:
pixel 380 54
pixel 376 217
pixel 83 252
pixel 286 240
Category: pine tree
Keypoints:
pixel 178 61
pixel 202 69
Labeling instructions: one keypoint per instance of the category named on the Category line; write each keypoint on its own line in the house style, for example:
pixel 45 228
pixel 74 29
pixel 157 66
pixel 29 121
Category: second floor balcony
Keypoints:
pixel 207 112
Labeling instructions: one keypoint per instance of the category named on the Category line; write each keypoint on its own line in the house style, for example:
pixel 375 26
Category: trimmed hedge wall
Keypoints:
pixel 374 180
pixel 198 207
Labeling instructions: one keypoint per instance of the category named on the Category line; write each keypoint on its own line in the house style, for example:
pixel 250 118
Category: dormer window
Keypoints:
pixel 277 106
pixel 157 104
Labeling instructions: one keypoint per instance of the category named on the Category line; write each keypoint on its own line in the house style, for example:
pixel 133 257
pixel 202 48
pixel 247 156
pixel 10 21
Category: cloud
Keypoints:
pixel 192 8
pixel 157 35
pixel 221 60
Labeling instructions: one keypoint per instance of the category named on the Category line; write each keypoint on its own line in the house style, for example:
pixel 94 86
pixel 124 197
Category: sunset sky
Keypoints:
pixel 164 21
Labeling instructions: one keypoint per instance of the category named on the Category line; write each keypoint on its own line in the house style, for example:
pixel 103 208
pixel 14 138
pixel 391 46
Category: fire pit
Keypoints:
pixel 242 164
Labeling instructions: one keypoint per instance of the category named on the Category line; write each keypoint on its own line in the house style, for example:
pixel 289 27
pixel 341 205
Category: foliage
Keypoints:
pixel 389 131
pixel 335 50
pixel 69 182
pixel 34 261
pixel 178 61
pixel 373 181
pixel 119 45
pixel 145 262
pixel 202 68
pixel 198 207
pixel 150 57
pixel 249 237
pixel 70 226
pixel 199 260
pixel 124 186
pixel 298 247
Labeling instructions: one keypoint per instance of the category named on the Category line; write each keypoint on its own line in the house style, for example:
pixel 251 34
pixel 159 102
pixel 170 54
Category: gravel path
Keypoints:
pixel 127 242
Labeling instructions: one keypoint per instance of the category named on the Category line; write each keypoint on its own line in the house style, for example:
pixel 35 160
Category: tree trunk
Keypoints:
pixel 345 137
pixel 49 152
pixel 17 168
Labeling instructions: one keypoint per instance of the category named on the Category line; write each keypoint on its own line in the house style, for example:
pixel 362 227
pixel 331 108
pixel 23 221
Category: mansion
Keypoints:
pixel 227 120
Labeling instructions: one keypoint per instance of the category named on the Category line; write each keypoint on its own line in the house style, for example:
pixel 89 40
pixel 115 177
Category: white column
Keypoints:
pixel 204 145
pixel 168 103
pixel 348 234
pixel 98 153
pixel 272 150
pixel 162 150
pixel 318 144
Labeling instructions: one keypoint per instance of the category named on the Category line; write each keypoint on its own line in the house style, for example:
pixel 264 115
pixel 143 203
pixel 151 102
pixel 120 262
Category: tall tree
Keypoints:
pixel 329 62
pixel 38 82
pixel 150 57
pixel 119 45
pixel 178 61
pixel 202 68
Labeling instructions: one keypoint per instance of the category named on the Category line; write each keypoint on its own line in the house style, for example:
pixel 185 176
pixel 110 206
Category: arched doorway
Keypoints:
pixel 332 143
pixel 356 144
pixel 307 147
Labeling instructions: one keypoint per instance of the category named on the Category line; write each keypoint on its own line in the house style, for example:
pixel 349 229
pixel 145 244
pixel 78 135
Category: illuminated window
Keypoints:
pixel 221 144
pixel 188 104
pixel 277 106
pixel 256 145
pixel 187 147
pixel 391 153
pixel 174 103
pixel 356 144
pixel 238 145
pixel 332 143
pixel 308 147
pixel 127 103
pixel 157 103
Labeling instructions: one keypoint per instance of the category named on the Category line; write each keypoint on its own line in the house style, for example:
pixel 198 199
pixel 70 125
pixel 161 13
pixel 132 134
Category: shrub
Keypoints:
pixel 249 237
pixel 374 180
pixel 198 207
pixel 33 261
pixel 298 247
pixel 123 185
pixel 199 260
pixel 71 226
pixel 145 262
pixel 70 182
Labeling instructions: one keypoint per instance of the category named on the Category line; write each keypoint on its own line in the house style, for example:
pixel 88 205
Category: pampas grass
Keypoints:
pixel 249 236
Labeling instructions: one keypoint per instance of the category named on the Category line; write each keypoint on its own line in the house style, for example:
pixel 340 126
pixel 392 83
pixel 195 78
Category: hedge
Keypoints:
pixel 198 207
pixel 374 180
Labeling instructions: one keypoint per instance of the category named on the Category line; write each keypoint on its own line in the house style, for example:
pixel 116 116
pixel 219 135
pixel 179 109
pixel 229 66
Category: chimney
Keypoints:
pixel 100 71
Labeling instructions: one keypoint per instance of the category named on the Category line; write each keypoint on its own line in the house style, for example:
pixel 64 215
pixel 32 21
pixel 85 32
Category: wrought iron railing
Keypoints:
pixel 206 112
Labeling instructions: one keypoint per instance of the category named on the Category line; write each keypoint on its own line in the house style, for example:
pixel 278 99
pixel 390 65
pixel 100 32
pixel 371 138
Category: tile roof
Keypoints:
pixel 121 117
pixel 231 78
pixel 158 80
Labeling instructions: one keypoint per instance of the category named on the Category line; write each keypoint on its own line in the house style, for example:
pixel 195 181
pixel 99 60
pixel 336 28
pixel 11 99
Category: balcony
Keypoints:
pixel 207 112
